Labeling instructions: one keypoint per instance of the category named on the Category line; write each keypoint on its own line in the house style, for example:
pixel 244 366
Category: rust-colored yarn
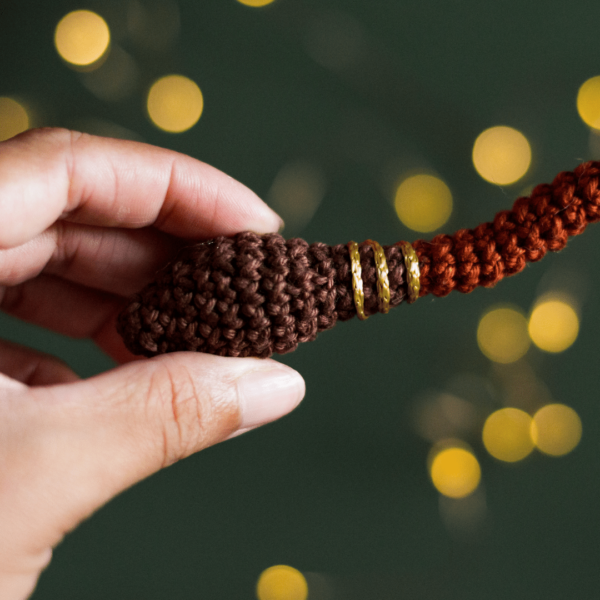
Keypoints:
pixel 538 223
pixel 253 295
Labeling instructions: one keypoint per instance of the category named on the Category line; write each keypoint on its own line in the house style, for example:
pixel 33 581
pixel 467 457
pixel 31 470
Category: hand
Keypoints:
pixel 85 222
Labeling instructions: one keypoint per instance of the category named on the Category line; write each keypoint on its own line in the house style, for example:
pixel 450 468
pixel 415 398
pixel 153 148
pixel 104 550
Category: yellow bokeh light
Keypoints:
pixel 175 103
pixel 82 38
pixel 281 583
pixel 13 118
pixel 588 102
pixel 455 472
pixel 556 429
pixel 256 2
pixel 553 325
pixel 423 202
pixel 501 155
pixel 502 335
pixel 506 434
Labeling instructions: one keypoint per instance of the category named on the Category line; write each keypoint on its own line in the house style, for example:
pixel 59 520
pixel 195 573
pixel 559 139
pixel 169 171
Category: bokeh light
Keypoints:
pixel 556 429
pixel 335 40
pixel 13 118
pixel 296 193
pixel 281 582
pixel 82 38
pixel 506 434
pixel 116 79
pixel 502 335
pixel 442 415
pixel 175 103
pixel 588 102
pixel 255 2
pixel 501 155
pixel 154 25
pixel 465 518
pixel 553 325
pixel 454 471
pixel 594 144
pixel 520 387
pixel 423 202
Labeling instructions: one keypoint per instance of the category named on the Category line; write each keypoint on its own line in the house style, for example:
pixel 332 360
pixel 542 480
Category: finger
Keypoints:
pixel 69 309
pixel 119 261
pixel 108 340
pixel 51 173
pixel 59 305
pixel 85 442
pixel 31 367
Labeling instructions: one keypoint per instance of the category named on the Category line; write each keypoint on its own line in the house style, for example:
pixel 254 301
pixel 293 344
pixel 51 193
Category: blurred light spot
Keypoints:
pixel 556 429
pixel 501 155
pixel 296 193
pixel 465 517
pixel 455 472
pixel 335 40
pixel 520 387
pixel 281 583
pixel 153 24
pixel 553 325
pixel 82 38
pixel 588 102
pixel 255 2
pixel 475 389
pixel 13 118
pixel 506 434
pixel 423 202
pixel 175 103
pixel 444 415
pixel 116 79
pixel 594 144
pixel 502 335
pixel 321 586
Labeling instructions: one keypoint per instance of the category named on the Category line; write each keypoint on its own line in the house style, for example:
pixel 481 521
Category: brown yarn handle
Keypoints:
pixel 253 295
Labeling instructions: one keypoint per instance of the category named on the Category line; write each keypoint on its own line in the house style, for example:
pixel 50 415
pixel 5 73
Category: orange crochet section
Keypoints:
pixel 536 224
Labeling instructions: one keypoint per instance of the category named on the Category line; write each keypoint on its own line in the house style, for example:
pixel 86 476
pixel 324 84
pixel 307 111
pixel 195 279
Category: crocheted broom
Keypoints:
pixel 254 295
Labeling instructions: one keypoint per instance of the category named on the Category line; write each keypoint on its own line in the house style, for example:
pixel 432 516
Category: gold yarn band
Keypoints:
pixel 383 281
pixel 357 283
pixel 413 273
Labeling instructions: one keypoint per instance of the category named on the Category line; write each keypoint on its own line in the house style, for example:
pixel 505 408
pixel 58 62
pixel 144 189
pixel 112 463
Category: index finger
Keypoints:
pixel 47 174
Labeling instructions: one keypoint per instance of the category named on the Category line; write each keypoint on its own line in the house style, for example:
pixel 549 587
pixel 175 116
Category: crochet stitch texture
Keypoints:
pixel 255 295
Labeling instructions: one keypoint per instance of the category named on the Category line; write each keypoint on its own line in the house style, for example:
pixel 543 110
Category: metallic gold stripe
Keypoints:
pixel 413 273
pixel 357 283
pixel 383 280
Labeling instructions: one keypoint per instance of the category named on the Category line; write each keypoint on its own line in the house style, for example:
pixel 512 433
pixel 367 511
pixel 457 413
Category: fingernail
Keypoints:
pixel 267 395
pixel 269 222
pixel 262 227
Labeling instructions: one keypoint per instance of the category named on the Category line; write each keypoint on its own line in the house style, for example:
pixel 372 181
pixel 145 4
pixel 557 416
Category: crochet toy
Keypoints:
pixel 254 295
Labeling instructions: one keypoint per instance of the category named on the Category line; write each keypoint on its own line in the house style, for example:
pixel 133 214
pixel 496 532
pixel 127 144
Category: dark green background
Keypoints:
pixel 340 488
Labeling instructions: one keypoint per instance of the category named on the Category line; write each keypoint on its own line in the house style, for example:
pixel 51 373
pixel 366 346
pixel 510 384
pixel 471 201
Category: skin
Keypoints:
pixel 85 222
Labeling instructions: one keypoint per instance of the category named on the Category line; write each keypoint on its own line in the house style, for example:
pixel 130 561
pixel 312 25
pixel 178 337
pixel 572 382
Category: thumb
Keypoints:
pixel 80 444
pixel 149 414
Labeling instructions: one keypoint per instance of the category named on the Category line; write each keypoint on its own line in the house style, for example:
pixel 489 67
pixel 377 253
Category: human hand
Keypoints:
pixel 85 222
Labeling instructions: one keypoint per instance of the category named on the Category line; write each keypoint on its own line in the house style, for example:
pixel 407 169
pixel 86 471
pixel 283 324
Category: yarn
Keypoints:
pixel 538 223
pixel 255 295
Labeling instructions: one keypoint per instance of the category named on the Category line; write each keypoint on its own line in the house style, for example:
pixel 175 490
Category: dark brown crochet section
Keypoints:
pixel 253 295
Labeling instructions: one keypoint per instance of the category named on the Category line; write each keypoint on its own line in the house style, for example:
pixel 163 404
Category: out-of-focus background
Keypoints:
pixel 448 450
